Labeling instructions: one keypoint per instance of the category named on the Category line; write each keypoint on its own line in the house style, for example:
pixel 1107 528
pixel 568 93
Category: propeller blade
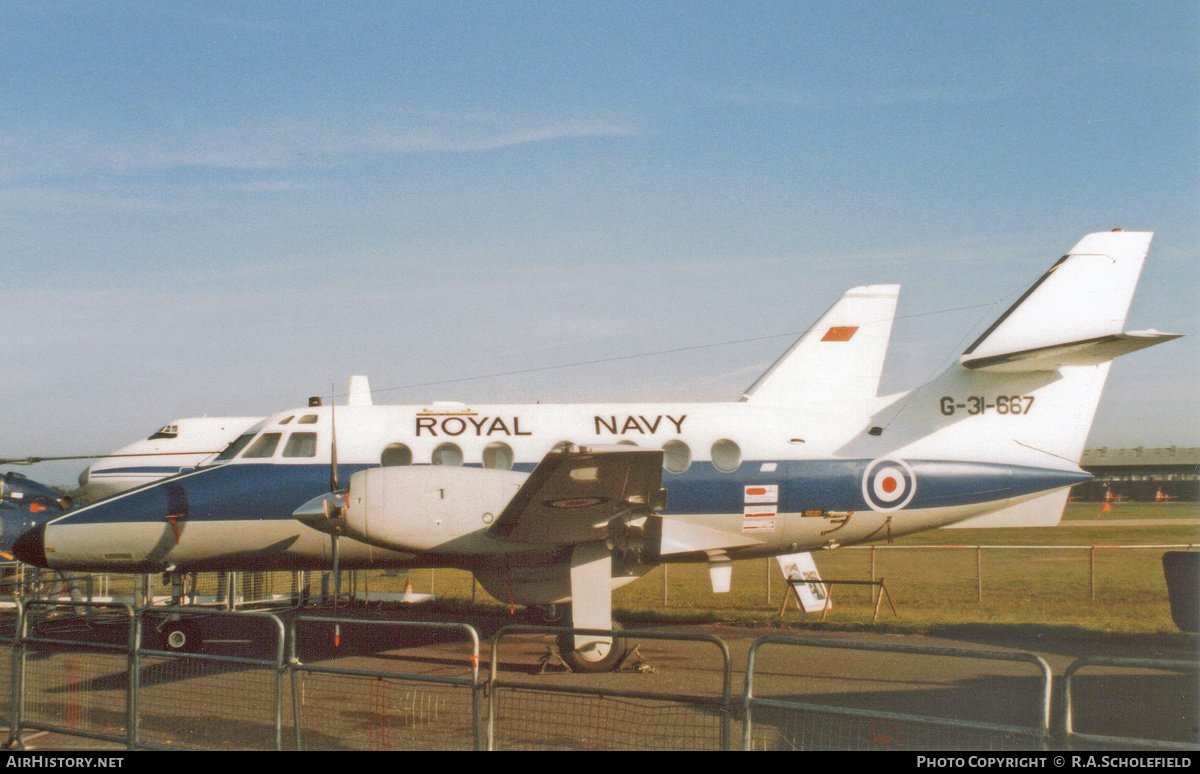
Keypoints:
pixel 333 465
pixel 331 508
pixel 337 591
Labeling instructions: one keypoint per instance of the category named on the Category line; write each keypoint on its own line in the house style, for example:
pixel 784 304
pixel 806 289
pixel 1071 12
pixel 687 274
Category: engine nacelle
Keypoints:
pixel 420 508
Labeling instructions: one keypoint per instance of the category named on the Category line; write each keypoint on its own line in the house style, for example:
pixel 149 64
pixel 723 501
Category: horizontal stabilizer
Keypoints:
pixel 1089 352
pixel 1084 297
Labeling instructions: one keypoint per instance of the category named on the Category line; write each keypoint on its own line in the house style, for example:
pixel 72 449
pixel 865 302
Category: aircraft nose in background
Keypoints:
pixel 30 547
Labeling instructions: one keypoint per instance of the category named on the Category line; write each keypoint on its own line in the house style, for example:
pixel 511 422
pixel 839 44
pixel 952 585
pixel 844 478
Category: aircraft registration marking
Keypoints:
pixel 979 404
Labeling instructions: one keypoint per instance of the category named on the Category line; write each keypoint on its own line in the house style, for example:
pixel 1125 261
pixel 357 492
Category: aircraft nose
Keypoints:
pixel 30 547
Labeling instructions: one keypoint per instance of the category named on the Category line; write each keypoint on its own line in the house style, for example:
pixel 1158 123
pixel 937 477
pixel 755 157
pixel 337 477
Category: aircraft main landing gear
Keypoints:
pixel 594 657
pixel 182 636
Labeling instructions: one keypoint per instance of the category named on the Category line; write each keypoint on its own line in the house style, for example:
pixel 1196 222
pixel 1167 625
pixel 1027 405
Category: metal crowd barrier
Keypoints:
pixel 405 708
pixel 1037 732
pixel 100 677
pixel 1074 739
pixel 225 713
pixel 65 676
pixel 10 642
pixel 684 720
pixel 54 696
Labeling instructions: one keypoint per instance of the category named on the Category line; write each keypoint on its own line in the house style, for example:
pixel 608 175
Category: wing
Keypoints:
pixel 572 496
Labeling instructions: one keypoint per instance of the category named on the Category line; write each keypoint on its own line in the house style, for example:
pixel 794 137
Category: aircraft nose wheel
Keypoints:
pixel 181 637
pixel 598 657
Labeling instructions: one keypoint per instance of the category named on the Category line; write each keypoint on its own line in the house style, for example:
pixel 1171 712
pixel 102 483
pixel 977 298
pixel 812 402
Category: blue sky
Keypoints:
pixel 222 208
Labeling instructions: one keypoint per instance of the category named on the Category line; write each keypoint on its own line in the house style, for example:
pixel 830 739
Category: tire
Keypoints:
pixel 181 637
pixel 599 659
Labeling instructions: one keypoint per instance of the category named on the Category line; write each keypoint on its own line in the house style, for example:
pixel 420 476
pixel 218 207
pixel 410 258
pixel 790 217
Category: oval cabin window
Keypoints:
pixel 498 456
pixel 726 455
pixel 395 455
pixel 447 454
pixel 677 457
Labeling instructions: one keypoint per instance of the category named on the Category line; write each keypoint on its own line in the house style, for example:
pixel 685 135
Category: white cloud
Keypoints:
pixel 282 144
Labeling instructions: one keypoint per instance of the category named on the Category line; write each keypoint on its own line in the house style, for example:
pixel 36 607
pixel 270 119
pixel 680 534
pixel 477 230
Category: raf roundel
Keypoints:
pixel 888 485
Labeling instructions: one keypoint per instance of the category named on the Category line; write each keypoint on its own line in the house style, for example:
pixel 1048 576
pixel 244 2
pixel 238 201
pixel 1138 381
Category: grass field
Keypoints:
pixel 1073 576
pixel 1062 582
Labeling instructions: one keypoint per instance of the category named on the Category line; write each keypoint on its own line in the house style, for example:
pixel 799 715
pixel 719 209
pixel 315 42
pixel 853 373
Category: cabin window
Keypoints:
pixel 448 454
pixel 307 419
pixel 395 455
pixel 263 447
pixel 677 457
pixel 726 456
pixel 498 456
pixel 301 445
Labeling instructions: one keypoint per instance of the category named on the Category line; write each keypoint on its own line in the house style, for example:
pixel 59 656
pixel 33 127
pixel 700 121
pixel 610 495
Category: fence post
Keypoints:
pixel 768 583
pixel 979 573
pixel 665 584
pixel 133 678
pixel 1092 573
pixel 18 680
pixel 874 591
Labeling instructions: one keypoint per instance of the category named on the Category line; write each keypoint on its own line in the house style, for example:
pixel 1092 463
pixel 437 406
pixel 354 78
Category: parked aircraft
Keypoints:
pixel 174 448
pixel 1112 497
pixel 1161 497
pixel 547 504
pixel 24 504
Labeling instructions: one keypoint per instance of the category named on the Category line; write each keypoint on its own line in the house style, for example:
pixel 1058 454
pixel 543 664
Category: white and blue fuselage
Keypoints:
pixel 757 475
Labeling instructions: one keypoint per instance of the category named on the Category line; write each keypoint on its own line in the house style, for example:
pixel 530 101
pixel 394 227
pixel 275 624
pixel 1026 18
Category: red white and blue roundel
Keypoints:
pixel 889 485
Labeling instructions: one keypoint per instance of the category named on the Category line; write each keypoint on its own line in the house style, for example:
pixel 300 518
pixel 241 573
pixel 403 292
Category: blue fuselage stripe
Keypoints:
pixel 239 492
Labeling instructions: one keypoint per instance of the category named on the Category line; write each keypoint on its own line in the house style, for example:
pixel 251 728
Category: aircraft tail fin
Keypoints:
pixel 837 363
pixel 1074 314
pixel 1032 382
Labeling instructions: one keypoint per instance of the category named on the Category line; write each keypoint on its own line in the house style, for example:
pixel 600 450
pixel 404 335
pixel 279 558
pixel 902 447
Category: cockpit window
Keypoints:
pixel 289 419
pixel 300 445
pixel 167 431
pixel 263 447
pixel 232 449
pixel 307 419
